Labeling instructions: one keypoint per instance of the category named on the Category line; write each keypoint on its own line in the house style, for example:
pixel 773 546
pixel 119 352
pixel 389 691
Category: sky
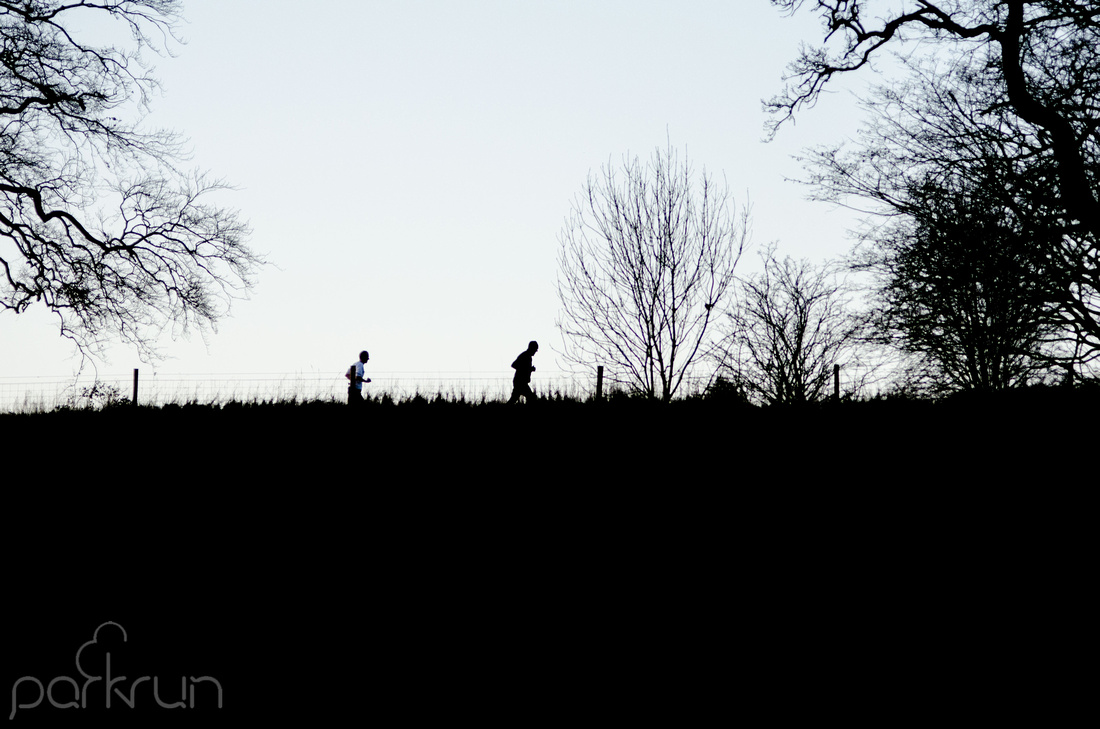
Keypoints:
pixel 407 167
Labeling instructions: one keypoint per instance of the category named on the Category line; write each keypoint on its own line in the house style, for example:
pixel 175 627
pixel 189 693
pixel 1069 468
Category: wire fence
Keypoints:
pixel 21 394
pixel 43 394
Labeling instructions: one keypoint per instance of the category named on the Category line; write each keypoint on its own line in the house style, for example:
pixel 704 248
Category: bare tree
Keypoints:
pixel 97 222
pixel 646 258
pixel 792 323
pixel 1022 77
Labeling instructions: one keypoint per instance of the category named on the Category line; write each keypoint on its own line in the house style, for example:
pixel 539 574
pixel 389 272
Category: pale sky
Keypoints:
pixel 407 165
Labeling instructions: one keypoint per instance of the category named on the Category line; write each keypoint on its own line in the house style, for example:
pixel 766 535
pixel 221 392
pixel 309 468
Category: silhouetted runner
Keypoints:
pixel 356 379
pixel 521 382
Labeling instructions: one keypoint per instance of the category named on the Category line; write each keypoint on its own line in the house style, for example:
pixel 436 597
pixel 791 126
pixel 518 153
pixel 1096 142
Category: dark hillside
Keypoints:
pixel 424 560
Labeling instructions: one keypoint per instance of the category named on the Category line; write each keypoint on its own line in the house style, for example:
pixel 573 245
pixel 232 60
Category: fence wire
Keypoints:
pixel 43 394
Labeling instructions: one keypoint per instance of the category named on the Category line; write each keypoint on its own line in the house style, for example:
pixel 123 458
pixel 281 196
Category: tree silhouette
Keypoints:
pixel 792 323
pixel 97 222
pixel 962 287
pixel 999 94
pixel 1041 57
pixel 646 258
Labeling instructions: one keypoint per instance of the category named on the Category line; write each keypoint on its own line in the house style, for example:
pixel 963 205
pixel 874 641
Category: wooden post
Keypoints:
pixel 836 383
pixel 599 383
pixel 134 400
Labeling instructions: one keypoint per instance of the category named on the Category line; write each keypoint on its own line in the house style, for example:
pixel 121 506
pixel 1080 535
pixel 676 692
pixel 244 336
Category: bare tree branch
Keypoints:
pixel 1043 54
pixel 97 222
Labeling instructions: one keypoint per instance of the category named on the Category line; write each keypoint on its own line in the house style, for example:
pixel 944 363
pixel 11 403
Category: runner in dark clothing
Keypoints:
pixel 521 382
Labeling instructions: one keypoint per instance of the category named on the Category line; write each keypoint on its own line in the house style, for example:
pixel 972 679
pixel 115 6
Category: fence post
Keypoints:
pixel 836 383
pixel 599 383
pixel 134 400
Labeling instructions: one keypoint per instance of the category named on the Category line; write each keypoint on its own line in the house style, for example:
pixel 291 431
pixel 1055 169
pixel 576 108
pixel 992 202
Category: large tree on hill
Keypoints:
pixel 97 222
pixel 961 287
pixel 1001 94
